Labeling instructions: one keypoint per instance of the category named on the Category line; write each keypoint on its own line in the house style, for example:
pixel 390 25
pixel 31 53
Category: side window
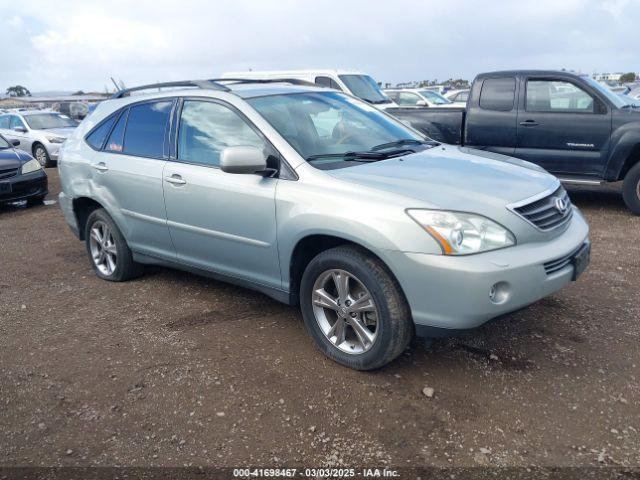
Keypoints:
pixel 4 122
pixel 15 122
pixel 498 94
pixel 554 96
pixel 207 128
pixel 116 139
pixel 327 82
pixel 462 97
pixel 96 138
pixel 146 127
pixel 408 99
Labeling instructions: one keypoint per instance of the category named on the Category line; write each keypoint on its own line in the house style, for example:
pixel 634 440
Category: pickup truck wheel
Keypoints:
pixel 110 255
pixel 354 309
pixel 631 189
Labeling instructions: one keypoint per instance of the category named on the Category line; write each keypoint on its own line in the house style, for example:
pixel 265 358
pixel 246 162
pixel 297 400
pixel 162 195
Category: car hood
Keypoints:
pixel 454 178
pixel 10 158
pixel 61 132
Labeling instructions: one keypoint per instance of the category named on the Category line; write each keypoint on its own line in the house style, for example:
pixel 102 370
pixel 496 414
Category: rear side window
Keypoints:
pixel 327 82
pixel 116 139
pixel 146 126
pixel 96 138
pixel 498 94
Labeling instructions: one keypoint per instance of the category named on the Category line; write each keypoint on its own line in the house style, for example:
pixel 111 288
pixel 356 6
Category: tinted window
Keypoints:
pixel 116 139
pixel 498 94
pixel 145 131
pixel 324 82
pixel 206 128
pixel 97 137
pixel 4 121
pixel 553 96
pixel 408 99
pixel 15 122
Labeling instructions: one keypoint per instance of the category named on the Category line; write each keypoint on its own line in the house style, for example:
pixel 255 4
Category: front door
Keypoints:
pixel 220 221
pixel 563 128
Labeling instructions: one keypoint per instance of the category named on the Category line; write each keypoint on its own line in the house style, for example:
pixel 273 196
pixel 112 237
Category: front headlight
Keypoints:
pixel 31 166
pixel 460 233
pixel 54 139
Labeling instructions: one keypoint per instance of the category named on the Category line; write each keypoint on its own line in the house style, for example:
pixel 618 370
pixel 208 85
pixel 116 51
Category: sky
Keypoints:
pixel 78 45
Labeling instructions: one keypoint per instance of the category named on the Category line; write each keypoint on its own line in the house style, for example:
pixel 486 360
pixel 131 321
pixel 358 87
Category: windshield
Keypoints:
pixel 45 121
pixel 330 123
pixel 434 97
pixel 364 87
pixel 612 97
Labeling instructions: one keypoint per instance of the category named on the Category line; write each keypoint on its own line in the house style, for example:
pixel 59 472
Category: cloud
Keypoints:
pixel 78 45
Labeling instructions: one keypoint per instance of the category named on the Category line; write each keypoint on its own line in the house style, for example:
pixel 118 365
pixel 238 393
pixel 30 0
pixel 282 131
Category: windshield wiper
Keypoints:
pixel 370 156
pixel 404 141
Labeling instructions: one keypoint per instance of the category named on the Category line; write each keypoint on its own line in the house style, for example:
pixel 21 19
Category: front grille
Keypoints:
pixel 558 264
pixel 546 213
pixel 8 173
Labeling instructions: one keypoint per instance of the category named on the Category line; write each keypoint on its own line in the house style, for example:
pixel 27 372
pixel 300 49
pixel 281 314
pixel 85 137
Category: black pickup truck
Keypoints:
pixel 570 125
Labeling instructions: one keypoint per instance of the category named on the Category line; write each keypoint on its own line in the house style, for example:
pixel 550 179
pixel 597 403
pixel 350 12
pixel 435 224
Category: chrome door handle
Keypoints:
pixel 175 179
pixel 101 167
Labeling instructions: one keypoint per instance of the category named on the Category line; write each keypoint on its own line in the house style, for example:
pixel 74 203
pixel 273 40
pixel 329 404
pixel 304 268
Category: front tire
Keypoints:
pixel 40 153
pixel 354 309
pixel 109 253
pixel 631 189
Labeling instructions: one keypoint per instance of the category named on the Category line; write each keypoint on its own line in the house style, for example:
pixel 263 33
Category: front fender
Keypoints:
pixel 624 140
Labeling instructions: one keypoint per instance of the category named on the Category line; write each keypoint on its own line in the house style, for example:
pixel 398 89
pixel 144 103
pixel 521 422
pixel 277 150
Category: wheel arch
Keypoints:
pixel 625 152
pixel 309 246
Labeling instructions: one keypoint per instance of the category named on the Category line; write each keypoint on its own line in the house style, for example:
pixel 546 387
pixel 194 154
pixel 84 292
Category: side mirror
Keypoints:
pixel 421 103
pixel 242 160
pixel 15 143
pixel 20 129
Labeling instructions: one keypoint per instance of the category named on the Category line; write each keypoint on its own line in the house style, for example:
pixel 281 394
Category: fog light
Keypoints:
pixel 499 292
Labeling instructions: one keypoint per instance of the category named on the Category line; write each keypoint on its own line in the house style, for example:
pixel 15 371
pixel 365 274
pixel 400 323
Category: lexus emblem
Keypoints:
pixel 561 205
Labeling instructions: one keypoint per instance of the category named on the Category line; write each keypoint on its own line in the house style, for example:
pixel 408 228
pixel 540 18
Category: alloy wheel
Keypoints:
pixel 345 311
pixel 41 155
pixel 103 248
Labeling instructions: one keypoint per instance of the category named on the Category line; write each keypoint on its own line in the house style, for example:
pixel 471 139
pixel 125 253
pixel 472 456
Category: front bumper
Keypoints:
pixel 449 292
pixel 26 186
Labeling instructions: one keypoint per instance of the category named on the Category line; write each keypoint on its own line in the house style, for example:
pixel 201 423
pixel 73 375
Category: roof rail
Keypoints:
pixel 204 84
pixel 292 81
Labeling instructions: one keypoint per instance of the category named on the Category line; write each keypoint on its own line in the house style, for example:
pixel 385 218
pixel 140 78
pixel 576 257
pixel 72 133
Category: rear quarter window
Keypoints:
pixel 498 94
pixel 99 134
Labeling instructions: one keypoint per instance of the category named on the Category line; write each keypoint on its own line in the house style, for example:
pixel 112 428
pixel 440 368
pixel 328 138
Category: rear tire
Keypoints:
pixel 108 251
pixel 387 318
pixel 631 189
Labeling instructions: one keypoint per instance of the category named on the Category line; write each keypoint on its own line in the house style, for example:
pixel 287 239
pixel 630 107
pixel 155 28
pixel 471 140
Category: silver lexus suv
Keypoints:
pixel 317 199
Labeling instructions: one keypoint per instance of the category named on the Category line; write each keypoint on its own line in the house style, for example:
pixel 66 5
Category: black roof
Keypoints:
pixel 504 73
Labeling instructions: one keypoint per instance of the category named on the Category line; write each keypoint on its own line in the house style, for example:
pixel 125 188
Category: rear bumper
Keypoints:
pixel 26 186
pixel 66 205
pixel 447 292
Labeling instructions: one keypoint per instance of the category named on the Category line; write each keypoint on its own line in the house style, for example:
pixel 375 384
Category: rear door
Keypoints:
pixel 492 117
pixel 563 127
pixel 220 221
pixel 129 172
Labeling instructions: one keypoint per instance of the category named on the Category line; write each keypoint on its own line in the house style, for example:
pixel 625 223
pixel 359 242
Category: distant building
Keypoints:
pixel 607 77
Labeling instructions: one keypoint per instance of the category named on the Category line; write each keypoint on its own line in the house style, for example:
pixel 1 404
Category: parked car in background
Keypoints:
pixel 634 93
pixel 357 84
pixel 418 97
pixel 39 132
pixel 21 176
pixel 459 97
pixel 321 200
pixel 572 126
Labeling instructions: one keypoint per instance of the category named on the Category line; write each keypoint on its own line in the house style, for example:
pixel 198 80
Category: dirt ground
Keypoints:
pixel 173 370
